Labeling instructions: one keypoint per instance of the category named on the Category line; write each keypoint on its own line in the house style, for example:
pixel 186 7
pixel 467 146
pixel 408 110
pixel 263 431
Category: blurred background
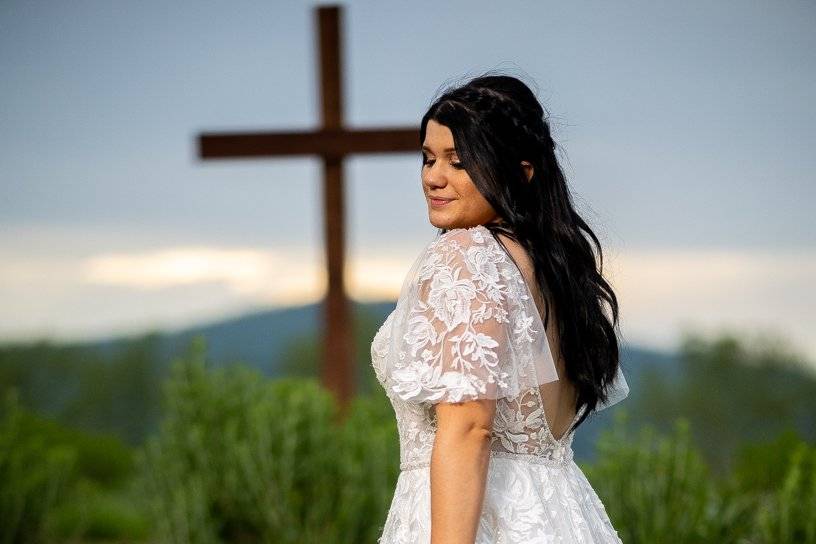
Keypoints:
pixel 160 314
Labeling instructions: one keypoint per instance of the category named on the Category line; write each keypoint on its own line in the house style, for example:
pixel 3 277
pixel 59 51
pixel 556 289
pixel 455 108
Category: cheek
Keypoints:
pixel 465 187
pixel 468 191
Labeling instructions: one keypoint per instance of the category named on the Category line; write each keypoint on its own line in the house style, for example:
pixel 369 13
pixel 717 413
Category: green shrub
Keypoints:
pixel 789 512
pixel 369 468
pixel 761 467
pixel 101 458
pixel 33 476
pixel 655 488
pixel 93 512
pixel 242 458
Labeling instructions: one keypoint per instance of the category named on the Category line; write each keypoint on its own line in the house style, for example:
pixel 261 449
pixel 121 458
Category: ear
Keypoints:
pixel 528 169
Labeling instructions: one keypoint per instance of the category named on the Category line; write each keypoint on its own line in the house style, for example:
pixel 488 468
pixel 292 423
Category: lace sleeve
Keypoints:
pixel 468 334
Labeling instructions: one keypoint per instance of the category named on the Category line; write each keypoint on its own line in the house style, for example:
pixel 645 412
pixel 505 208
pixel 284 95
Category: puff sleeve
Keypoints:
pixel 468 333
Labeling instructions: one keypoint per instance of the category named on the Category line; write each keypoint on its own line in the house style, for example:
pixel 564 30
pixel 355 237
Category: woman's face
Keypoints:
pixel 443 177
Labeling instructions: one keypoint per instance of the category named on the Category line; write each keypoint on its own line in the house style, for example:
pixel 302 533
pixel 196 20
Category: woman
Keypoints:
pixel 499 347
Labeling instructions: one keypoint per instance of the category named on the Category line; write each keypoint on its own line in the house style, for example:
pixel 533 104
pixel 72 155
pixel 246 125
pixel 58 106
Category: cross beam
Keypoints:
pixel 327 143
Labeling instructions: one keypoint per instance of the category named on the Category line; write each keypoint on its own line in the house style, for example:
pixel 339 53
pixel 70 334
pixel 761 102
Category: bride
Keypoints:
pixel 499 346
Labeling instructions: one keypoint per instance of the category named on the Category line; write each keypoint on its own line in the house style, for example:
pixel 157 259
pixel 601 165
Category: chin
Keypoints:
pixel 438 222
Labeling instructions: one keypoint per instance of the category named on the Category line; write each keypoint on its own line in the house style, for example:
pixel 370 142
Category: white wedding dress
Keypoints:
pixel 466 327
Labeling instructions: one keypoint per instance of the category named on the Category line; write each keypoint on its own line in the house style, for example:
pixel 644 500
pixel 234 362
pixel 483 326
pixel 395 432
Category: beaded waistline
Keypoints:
pixel 524 457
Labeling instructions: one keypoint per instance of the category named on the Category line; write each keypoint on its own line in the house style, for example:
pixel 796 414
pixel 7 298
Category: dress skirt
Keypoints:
pixel 524 503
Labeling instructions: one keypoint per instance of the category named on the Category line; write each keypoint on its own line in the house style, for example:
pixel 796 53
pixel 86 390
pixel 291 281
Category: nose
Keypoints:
pixel 434 177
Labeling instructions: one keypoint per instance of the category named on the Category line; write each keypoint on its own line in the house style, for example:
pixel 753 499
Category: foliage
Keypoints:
pixel 241 458
pixel 731 391
pixel 727 456
pixel 101 458
pixel 112 391
pixel 657 488
pixel 58 482
pixel 92 511
pixel 33 473
pixel 789 512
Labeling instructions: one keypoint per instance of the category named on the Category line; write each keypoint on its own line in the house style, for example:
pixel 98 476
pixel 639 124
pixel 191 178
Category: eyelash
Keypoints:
pixel 457 165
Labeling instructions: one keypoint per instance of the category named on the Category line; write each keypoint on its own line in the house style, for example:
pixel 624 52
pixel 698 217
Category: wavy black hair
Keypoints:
pixel 497 122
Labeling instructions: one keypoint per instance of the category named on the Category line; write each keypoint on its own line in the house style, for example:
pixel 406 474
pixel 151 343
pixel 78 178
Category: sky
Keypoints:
pixel 685 131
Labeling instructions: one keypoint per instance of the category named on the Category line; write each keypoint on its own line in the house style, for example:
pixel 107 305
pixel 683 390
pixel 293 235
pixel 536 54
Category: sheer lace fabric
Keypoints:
pixel 466 327
pixel 470 329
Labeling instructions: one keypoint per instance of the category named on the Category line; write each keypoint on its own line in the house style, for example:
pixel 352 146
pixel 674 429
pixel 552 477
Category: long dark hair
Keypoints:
pixel 497 122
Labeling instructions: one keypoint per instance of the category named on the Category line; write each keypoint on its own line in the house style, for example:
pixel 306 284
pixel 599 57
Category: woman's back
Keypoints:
pixel 558 397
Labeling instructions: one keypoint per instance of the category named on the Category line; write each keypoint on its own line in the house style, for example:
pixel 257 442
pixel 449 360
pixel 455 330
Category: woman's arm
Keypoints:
pixel 459 461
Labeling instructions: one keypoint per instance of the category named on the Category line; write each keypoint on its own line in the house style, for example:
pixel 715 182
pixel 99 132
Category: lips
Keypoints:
pixel 438 201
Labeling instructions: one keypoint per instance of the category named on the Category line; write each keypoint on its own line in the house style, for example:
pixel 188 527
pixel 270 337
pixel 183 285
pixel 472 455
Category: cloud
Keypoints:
pixel 271 276
pixel 660 292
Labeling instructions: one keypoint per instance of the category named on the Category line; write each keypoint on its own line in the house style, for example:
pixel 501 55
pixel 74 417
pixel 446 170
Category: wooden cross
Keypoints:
pixel 332 143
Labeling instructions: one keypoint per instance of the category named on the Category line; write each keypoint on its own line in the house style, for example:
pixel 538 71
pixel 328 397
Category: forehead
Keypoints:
pixel 438 138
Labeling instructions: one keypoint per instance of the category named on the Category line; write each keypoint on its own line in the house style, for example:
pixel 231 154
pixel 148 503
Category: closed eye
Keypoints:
pixel 428 162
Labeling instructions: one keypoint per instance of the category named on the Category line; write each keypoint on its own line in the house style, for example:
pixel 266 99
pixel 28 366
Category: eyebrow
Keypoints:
pixel 446 150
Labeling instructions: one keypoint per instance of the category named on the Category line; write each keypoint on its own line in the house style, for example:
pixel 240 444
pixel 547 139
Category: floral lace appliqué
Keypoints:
pixel 466 327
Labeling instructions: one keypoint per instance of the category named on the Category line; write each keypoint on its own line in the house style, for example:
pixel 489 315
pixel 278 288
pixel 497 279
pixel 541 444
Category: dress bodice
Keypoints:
pixel 520 429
